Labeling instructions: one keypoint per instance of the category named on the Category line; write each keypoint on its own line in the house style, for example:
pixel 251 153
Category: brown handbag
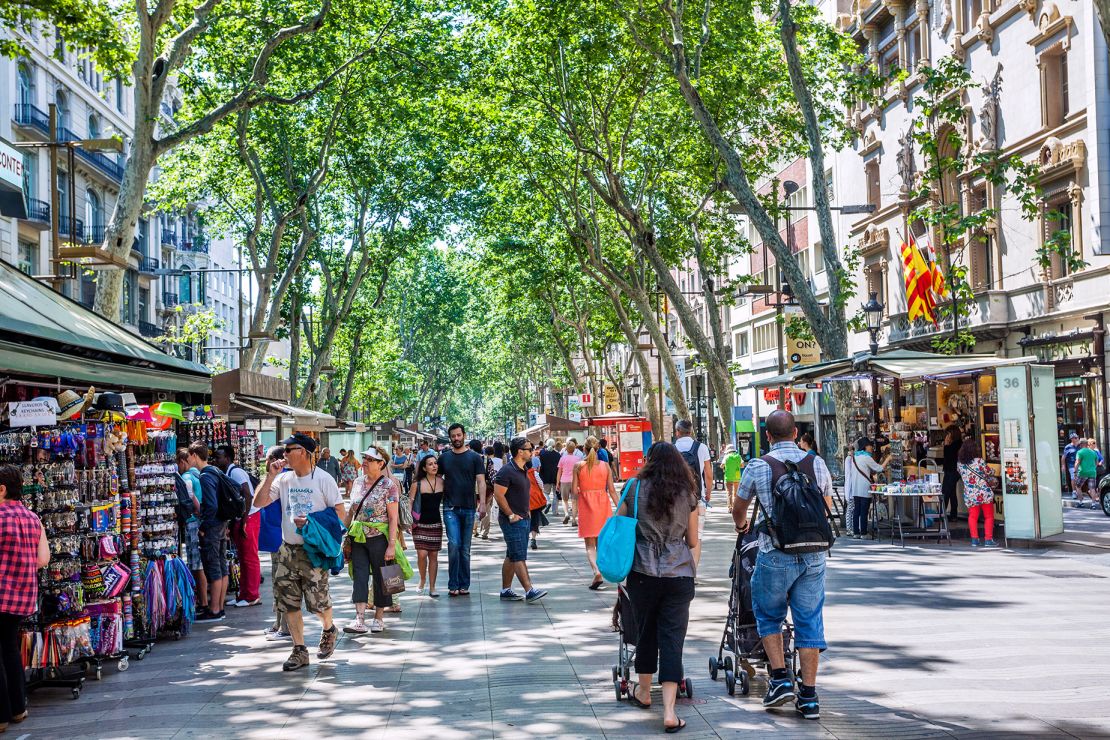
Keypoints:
pixel 393 579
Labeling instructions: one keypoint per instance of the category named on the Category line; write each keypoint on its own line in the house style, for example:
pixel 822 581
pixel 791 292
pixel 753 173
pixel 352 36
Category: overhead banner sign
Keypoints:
pixel 37 413
pixel 801 352
pixel 574 409
pixel 612 397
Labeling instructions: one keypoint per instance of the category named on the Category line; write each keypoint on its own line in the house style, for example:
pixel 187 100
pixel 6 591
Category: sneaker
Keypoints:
pixel 210 617
pixel 278 636
pixel 778 693
pixel 535 595
pixel 243 602
pixel 974 542
pixel 808 707
pixel 535 545
pixel 377 625
pixel 421 591
pixel 509 595
pixel 230 600
pixel 297 659
pixel 485 537
pixel 357 627
pixel 990 543
pixel 328 638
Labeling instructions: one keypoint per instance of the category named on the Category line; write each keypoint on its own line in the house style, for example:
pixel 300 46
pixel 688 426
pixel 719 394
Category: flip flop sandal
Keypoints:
pixel 677 728
pixel 634 700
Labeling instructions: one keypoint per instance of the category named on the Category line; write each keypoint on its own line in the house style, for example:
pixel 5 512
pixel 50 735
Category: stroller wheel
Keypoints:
pixel 617 689
pixel 688 688
pixel 745 683
pixel 728 663
pixel 713 669
pixel 730 683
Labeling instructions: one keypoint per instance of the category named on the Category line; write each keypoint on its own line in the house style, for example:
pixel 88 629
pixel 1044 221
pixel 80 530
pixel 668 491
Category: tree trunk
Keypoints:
pixel 352 365
pixel 631 336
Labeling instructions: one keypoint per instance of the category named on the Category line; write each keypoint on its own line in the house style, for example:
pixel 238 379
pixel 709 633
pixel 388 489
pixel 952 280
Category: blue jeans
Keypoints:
pixel 459 526
pixel 860 514
pixel 798 581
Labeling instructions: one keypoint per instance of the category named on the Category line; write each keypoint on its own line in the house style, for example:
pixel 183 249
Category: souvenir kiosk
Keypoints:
pixel 629 439
pixel 909 399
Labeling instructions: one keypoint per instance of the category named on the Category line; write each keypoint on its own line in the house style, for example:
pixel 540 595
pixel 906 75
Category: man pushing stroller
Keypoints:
pixel 793 491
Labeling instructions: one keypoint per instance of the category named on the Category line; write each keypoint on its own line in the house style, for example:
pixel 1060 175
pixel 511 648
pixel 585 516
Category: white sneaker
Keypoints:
pixel 278 636
pixel 377 625
pixel 421 591
pixel 244 602
pixel 229 601
pixel 357 627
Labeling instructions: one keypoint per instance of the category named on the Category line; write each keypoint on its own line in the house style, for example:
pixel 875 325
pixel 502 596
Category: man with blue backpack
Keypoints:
pixel 793 491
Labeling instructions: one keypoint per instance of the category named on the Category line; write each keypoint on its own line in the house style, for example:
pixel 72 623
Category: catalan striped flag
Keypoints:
pixel 926 248
pixel 919 284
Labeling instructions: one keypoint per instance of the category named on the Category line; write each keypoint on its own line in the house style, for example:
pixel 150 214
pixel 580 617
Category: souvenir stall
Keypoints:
pixel 260 404
pixel 907 400
pixel 97 466
pixel 629 439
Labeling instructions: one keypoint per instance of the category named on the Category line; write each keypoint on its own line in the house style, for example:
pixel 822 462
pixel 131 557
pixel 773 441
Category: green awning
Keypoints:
pixel 36 315
pixel 20 359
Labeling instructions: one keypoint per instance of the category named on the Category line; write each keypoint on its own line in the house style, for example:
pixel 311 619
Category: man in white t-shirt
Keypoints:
pixel 692 450
pixel 303 490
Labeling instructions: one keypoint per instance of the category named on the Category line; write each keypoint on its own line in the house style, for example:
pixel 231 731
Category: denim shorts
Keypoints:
pixel 798 581
pixel 213 550
pixel 516 539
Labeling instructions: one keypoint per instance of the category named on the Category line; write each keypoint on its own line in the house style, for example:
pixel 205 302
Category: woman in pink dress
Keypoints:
pixel 596 496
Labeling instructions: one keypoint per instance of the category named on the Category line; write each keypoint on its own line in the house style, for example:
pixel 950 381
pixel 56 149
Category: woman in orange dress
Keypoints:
pixel 597 496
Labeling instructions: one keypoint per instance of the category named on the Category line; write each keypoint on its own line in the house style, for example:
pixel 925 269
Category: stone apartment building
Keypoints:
pixel 88 105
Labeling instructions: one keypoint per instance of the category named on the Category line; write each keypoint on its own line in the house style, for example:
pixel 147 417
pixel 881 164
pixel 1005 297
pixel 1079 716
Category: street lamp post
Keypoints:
pixel 873 310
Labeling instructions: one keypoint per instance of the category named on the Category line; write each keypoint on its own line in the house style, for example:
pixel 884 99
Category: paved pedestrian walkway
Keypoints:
pixel 925 642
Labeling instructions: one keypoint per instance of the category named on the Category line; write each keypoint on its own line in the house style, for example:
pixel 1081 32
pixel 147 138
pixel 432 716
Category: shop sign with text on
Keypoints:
pixel 801 352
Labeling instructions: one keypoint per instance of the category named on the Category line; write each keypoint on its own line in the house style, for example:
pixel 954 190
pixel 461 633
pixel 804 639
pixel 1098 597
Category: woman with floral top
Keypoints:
pixel 978 496
pixel 373 501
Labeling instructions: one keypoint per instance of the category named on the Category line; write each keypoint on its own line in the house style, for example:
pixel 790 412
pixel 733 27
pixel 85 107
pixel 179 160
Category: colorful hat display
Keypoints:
pixel 140 413
pixel 110 407
pixel 71 405
pixel 168 409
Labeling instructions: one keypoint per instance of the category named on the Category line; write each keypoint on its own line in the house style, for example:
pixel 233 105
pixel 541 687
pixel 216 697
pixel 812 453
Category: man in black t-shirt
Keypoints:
pixel 463 470
pixel 549 474
pixel 511 490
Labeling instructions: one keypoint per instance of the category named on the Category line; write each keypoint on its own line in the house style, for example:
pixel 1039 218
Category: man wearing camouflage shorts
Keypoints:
pixel 302 490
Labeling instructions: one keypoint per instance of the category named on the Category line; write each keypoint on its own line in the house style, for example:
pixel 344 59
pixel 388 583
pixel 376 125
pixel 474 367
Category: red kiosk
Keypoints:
pixel 629 438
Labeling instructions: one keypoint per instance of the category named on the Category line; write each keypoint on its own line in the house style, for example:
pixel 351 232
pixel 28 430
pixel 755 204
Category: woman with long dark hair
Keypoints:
pixel 427 526
pixel 661 584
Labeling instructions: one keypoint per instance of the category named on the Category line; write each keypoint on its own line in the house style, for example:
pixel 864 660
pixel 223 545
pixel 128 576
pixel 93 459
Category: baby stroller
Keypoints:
pixel 629 628
pixel 741 640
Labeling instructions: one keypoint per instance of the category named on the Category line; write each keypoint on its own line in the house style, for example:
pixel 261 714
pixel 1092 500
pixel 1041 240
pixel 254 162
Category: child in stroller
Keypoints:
pixel 628 628
pixel 741 640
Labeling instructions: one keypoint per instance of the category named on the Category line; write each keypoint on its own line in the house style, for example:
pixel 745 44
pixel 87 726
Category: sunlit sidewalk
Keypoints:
pixel 924 642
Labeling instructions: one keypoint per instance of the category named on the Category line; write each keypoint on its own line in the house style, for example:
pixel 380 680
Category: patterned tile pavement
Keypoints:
pixel 925 642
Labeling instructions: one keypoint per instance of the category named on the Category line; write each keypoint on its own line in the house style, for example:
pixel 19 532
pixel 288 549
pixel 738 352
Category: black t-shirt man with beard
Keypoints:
pixel 464 472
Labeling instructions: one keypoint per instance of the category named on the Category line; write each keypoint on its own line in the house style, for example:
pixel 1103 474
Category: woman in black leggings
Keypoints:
pixel 664 498
pixel 952 441
pixel 374 501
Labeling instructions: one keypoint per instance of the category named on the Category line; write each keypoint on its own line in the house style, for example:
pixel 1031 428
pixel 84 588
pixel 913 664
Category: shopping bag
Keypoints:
pixel 393 580
pixel 616 544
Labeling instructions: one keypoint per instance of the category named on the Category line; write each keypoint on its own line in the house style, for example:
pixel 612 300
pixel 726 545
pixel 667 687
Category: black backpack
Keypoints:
pixel 799 522
pixel 691 458
pixel 229 497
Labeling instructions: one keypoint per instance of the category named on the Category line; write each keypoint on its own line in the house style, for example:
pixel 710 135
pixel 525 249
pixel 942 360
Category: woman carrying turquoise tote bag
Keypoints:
pixel 660 583
pixel 616 543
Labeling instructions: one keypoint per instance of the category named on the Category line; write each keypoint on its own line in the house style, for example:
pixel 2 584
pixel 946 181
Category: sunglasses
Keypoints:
pixel 292 449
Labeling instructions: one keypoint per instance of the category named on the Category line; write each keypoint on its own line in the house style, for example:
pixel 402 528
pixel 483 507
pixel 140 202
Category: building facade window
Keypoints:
pixel 30 174
pixel 1061 221
pixel 94 210
pixel 26 83
pixel 94 126
pixel 874 190
pixel 61 101
pixel 185 285
pixel 765 337
pixel 1055 103
pixel 28 257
